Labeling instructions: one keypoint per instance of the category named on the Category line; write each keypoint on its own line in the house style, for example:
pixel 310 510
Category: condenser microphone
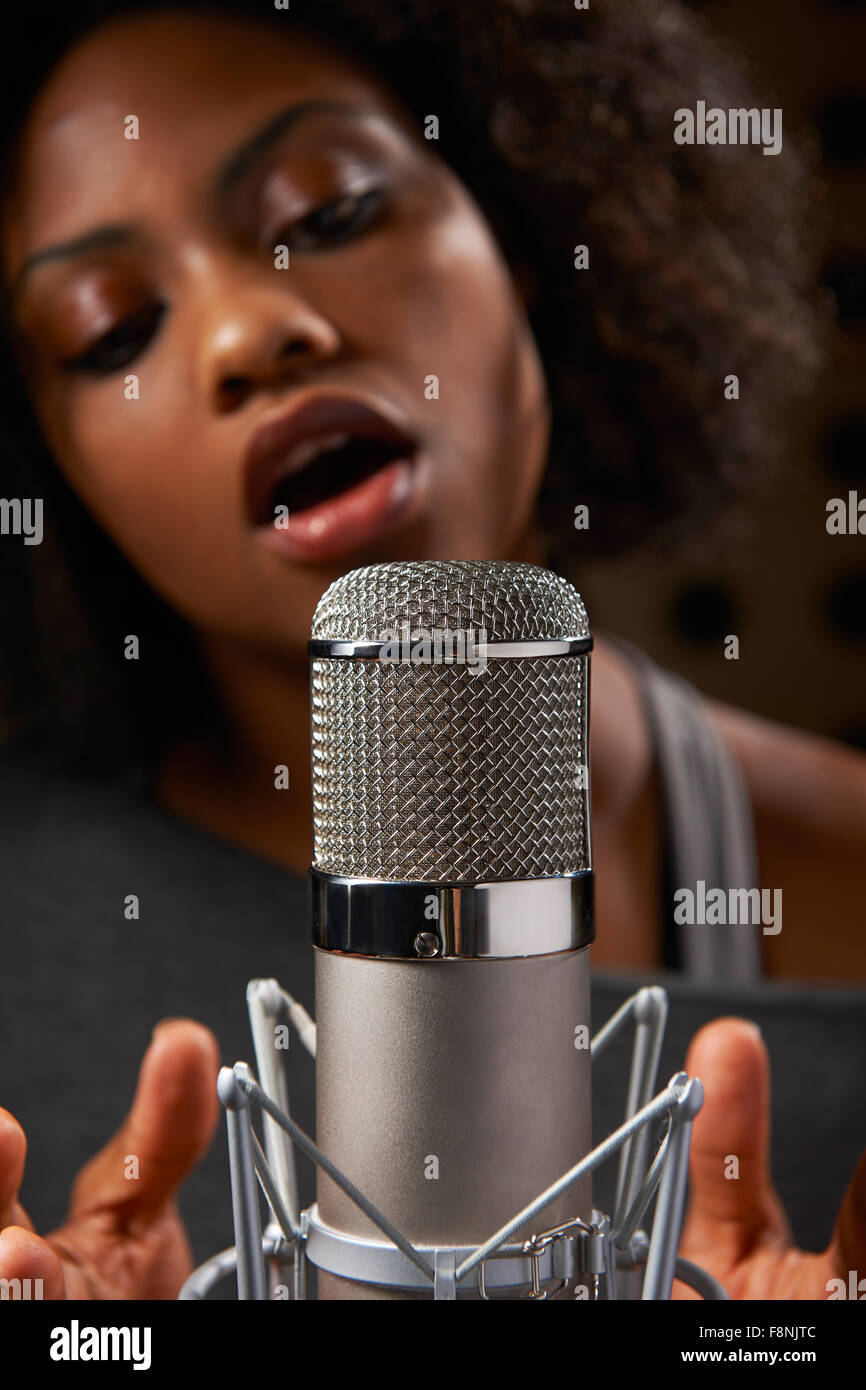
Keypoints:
pixel 452 912
pixel 452 917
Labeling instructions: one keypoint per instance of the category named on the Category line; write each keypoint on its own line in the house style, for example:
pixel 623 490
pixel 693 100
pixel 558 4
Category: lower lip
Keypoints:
pixel 355 517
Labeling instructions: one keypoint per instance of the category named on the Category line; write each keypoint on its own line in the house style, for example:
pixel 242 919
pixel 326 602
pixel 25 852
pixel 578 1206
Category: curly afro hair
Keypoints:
pixel 560 122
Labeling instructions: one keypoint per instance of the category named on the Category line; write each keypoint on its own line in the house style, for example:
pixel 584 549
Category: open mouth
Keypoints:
pixel 339 463
pixel 325 447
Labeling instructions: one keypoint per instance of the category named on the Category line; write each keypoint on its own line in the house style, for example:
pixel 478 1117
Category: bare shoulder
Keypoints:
pixel 809 800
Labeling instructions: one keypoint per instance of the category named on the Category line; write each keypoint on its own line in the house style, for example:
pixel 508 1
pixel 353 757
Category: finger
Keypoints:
pixel 13 1152
pixel 848 1247
pixel 24 1255
pixel 167 1131
pixel 732 1201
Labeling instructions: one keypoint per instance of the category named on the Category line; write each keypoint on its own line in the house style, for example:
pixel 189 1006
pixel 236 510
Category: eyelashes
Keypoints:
pixel 121 345
pixel 336 221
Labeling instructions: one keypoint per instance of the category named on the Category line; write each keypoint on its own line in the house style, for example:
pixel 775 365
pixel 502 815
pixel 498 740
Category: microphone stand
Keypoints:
pixel 607 1258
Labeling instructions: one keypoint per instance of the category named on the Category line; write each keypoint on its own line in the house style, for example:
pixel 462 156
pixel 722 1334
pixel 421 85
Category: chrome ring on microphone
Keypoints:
pixel 447 650
pixel 453 921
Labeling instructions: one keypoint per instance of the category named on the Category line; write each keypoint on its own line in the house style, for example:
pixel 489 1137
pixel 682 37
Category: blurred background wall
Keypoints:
pixel 794 594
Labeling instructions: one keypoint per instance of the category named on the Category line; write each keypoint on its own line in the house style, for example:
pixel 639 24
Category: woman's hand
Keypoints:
pixel 735 1226
pixel 123 1237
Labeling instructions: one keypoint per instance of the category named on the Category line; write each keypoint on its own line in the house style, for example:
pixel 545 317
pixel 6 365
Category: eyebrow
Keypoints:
pixel 253 151
pixel 236 168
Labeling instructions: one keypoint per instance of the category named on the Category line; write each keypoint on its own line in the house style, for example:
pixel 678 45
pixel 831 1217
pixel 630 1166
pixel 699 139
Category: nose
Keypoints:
pixel 255 337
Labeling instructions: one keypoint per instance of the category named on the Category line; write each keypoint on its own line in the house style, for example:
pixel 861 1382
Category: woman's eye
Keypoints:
pixel 122 344
pixel 336 220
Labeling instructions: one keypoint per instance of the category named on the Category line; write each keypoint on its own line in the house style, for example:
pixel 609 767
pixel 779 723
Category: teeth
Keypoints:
pixel 301 456
pixel 289 464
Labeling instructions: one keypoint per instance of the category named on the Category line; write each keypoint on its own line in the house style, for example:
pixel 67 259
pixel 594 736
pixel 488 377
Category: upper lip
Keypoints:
pixel 274 450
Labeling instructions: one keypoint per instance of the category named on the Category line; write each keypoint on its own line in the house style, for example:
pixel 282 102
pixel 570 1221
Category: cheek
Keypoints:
pixel 445 292
pixel 139 472
pixel 443 304
pixel 470 329
pixel 113 453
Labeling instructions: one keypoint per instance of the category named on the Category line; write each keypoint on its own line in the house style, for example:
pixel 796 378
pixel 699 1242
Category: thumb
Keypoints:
pixel 848 1247
pixel 732 1202
pixel 167 1131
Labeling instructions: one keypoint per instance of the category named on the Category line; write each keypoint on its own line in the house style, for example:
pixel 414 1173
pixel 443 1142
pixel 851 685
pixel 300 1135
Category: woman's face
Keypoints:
pixel 168 346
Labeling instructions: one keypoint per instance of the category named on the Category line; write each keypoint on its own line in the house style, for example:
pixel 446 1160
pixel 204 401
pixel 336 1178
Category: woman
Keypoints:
pixel 158 177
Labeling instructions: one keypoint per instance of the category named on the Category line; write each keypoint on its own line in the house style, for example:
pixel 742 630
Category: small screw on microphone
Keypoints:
pixel 427 943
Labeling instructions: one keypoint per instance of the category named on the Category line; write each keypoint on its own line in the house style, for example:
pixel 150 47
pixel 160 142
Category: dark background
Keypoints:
pixel 794 595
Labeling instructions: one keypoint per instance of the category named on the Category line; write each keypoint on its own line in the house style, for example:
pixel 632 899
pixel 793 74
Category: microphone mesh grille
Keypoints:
pixel 450 773
pixel 512 601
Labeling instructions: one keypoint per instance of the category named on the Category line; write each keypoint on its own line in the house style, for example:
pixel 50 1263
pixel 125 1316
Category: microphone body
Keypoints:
pixel 451 1096
pixel 452 909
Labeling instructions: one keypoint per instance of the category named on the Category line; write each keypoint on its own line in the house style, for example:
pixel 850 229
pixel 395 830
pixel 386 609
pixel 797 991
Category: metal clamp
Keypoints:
pixel 376 1262
pixel 550 1240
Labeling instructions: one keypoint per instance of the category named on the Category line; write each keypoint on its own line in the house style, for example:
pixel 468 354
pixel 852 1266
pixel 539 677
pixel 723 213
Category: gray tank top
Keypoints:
pixel 709 828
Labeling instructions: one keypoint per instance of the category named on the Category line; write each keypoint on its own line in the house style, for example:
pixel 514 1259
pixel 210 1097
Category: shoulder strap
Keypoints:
pixel 710 826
